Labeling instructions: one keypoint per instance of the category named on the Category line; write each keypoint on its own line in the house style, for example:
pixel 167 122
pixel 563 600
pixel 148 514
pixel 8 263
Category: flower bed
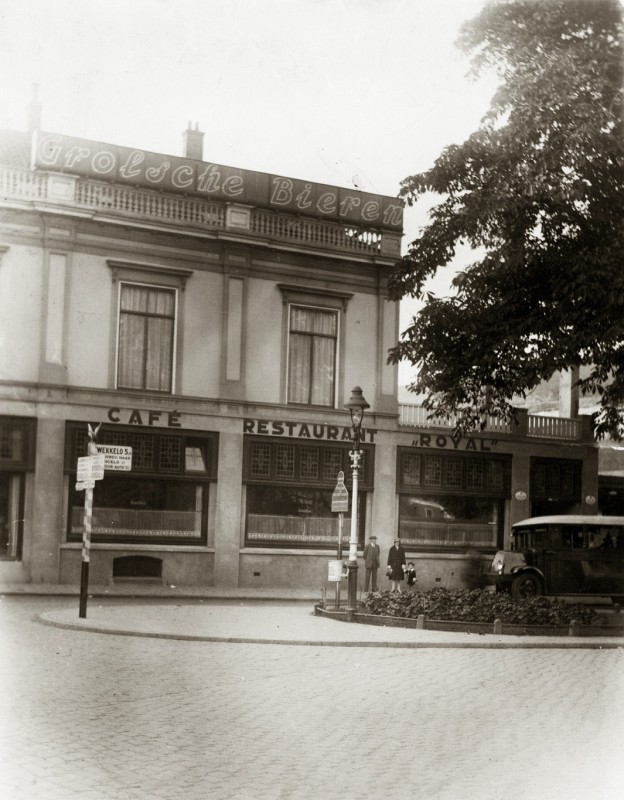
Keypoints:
pixel 478 606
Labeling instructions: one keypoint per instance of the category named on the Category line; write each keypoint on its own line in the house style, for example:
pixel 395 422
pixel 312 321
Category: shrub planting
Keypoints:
pixel 478 606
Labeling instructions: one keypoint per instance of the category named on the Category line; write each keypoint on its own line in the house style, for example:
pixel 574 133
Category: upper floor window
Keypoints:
pixel 312 347
pixel 146 341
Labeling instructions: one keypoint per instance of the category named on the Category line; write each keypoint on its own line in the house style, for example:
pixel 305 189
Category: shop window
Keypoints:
pixel 556 480
pixel 163 498
pixel 312 348
pixel 289 493
pixel 17 455
pixel 452 500
pixel 450 521
pixel 146 337
pixel 291 516
pixel 11 515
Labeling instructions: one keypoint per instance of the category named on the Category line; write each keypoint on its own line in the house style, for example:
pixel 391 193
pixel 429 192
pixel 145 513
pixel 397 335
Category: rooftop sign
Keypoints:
pixel 143 168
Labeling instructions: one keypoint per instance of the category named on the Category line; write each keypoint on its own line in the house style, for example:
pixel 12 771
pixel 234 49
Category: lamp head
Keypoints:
pixel 357 405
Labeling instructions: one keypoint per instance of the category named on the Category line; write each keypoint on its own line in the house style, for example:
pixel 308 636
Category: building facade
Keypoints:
pixel 211 321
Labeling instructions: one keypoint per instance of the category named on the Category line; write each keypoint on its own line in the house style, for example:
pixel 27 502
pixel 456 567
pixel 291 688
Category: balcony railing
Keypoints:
pixel 417 417
pixel 554 427
pixel 539 427
pixel 86 194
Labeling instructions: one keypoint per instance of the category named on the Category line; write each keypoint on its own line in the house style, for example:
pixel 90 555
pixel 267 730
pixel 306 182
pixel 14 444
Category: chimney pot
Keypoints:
pixel 193 142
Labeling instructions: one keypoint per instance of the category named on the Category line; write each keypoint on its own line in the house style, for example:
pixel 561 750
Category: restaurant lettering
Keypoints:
pixel 143 168
pixel 304 430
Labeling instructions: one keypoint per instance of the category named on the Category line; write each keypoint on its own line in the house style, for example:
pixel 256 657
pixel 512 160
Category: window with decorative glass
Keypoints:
pixel 163 498
pixel 312 348
pixel 451 500
pixel 289 492
pixel 146 337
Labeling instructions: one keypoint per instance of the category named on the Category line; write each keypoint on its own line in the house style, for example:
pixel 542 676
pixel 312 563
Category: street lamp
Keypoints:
pixel 356 405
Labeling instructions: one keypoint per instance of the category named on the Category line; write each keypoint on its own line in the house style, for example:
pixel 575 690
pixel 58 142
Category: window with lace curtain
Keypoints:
pixel 146 337
pixel 312 350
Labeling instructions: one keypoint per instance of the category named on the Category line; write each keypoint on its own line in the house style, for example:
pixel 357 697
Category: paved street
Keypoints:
pixel 94 716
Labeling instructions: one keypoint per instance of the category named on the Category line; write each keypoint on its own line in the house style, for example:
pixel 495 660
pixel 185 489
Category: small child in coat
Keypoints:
pixel 410 574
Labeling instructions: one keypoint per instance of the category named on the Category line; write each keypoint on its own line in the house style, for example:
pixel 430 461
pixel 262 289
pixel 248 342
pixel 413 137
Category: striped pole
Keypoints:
pixel 86 544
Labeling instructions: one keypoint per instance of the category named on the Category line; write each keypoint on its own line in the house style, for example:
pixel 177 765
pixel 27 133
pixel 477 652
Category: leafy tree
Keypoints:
pixel 538 193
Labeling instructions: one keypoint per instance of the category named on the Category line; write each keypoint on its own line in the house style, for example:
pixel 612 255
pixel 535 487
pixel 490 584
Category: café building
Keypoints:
pixel 207 324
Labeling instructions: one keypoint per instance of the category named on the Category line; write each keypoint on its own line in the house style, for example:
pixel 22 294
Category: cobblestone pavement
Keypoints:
pixel 90 716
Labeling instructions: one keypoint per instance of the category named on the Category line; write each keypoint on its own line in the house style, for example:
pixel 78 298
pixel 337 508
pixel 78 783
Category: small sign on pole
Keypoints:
pixel 117 458
pixel 340 495
pixel 90 468
pixel 334 570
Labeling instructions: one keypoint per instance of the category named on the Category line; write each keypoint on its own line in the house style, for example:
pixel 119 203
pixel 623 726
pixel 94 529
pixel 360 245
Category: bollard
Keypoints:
pixel 574 628
pixel 498 626
pixel 420 621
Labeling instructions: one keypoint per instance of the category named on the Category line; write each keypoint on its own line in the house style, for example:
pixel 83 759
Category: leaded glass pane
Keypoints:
pixel 260 460
pixel 285 461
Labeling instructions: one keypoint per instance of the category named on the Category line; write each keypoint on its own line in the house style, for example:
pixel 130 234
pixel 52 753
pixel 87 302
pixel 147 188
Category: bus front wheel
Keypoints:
pixel 526 585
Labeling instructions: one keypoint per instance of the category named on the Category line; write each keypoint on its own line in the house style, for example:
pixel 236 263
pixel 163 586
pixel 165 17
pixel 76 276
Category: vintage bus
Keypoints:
pixel 563 555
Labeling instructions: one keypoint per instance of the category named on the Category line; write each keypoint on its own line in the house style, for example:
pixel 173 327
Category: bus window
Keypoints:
pixel 603 538
pixel 572 537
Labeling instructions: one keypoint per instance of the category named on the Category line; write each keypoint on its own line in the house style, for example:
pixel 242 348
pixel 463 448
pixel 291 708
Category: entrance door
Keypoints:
pixel 10 517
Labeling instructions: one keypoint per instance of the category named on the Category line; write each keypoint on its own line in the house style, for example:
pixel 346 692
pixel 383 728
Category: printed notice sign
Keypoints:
pixel 116 457
pixel 90 468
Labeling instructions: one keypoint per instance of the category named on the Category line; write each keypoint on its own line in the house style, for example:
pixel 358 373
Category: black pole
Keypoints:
pixel 84 589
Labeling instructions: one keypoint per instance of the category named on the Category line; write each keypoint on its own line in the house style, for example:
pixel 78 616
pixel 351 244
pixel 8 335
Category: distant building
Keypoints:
pixel 212 321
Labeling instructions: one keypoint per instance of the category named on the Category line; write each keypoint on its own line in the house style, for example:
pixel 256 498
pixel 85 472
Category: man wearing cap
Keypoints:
pixel 371 562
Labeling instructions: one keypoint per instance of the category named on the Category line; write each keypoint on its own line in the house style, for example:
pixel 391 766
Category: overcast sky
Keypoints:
pixel 325 90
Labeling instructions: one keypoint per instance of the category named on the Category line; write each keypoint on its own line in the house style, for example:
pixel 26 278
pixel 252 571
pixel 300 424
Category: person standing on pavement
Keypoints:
pixel 396 565
pixel 371 562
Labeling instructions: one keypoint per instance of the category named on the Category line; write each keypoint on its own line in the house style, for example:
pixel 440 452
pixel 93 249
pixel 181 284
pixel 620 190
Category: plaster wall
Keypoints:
pixel 90 299
pixel 21 287
pixel 200 341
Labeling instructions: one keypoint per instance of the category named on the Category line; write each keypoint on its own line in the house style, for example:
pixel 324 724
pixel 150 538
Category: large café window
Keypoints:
pixel 289 493
pixel 163 499
pixel 452 501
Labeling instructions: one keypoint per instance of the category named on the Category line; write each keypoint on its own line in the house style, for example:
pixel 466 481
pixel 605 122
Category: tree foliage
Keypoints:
pixel 538 192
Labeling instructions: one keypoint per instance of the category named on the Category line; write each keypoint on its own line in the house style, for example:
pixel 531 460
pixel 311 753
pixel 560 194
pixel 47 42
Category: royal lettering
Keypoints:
pixel 443 442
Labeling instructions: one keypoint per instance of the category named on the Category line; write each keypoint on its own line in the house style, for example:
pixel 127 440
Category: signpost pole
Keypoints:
pixel 339 583
pixel 86 536
pixel 86 554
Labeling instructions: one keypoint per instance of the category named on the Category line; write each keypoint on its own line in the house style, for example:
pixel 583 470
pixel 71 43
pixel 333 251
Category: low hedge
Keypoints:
pixel 477 606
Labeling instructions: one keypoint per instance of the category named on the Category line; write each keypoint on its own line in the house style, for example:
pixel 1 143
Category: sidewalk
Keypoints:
pixel 252 616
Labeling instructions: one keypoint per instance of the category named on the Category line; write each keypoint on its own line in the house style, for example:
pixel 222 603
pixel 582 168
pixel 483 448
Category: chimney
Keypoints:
pixel 34 110
pixel 194 143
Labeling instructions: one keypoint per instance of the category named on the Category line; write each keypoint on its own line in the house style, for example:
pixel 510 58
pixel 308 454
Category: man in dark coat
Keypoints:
pixel 371 562
pixel 396 562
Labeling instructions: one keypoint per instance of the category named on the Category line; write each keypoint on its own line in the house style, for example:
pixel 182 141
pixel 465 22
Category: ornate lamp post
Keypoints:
pixel 356 405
